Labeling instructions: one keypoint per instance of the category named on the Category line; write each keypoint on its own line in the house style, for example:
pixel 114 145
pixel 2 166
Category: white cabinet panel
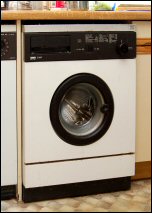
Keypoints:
pixel 143 136
pixel 8 124
pixel 143 29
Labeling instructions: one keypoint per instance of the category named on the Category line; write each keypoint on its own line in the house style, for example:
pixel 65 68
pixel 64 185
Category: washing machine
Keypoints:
pixel 8 112
pixel 79 95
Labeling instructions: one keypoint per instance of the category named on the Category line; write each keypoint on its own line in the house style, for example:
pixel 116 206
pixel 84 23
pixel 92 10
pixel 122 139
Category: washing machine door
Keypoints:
pixel 82 109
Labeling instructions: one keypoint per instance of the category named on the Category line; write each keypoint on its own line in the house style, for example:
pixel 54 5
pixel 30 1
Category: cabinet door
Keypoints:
pixel 143 131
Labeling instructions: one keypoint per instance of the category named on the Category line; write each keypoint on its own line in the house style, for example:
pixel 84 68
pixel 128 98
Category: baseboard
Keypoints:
pixel 142 171
pixel 76 189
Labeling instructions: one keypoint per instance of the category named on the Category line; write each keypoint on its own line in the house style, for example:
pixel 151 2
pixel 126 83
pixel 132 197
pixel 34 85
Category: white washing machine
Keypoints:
pixel 8 112
pixel 79 94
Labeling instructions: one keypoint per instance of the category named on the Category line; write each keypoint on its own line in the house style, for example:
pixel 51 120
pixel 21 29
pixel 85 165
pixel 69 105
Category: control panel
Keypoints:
pixel 79 46
pixel 8 46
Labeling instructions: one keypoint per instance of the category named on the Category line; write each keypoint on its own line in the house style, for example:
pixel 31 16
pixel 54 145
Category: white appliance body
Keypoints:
pixel 40 83
pixel 49 160
pixel 8 109
pixel 8 123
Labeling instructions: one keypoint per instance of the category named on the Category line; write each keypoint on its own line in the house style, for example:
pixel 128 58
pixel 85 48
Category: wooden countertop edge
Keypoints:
pixel 75 15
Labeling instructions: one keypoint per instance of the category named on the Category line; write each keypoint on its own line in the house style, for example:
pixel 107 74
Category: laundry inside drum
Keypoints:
pixel 79 110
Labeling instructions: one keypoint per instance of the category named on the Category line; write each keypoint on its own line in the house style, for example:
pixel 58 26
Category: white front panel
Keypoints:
pixel 78 27
pixel 78 171
pixel 143 133
pixel 143 29
pixel 8 123
pixel 8 28
pixel 41 79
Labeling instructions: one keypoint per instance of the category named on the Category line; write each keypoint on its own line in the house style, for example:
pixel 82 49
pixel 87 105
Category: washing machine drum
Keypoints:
pixel 82 109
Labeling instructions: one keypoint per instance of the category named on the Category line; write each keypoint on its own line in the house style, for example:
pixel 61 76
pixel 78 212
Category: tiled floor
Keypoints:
pixel 138 199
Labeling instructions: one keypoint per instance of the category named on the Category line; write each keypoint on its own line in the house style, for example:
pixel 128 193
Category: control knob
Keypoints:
pixel 122 48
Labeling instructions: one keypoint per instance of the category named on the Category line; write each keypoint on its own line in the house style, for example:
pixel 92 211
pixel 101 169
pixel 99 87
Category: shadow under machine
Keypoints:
pixel 79 94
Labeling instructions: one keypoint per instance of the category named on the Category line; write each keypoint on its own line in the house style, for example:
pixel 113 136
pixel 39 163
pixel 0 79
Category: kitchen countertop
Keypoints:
pixel 75 15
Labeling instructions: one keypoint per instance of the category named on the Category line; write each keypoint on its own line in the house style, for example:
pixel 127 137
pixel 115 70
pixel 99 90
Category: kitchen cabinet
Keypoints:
pixel 143 125
pixel 143 128
pixel 143 29
pixel 143 107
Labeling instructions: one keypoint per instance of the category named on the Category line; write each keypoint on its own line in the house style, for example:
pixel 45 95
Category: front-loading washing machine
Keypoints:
pixel 79 92
pixel 8 112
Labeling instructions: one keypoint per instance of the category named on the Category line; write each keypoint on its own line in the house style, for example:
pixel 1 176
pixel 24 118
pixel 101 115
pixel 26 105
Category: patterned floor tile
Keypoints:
pixel 137 199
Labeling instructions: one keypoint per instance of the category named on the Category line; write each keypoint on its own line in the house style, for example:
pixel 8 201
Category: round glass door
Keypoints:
pixel 81 109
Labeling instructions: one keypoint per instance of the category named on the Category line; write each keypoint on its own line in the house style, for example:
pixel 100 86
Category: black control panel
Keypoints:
pixel 8 46
pixel 79 46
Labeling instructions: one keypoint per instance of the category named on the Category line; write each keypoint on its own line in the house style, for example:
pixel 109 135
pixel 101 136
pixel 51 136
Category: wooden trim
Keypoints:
pixel 75 15
pixel 144 50
pixel 143 41
pixel 142 171
pixel 134 8
pixel 144 46
pixel 19 113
